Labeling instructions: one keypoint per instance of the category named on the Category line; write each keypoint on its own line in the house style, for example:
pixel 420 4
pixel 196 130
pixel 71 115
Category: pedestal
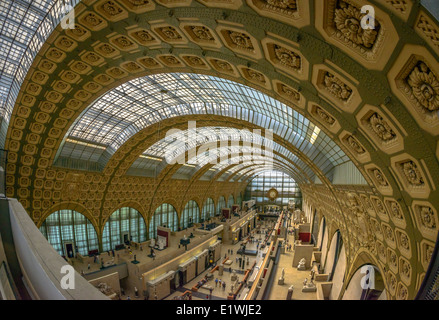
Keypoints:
pixel 290 293
pixel 220 270
pixel 311 288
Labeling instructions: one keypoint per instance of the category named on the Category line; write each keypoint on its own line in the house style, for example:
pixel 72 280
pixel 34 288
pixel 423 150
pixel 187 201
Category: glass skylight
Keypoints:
pixel 25 26
pixel 119 114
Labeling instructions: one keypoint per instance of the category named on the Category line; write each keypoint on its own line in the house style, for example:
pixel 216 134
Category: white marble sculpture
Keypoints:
pixel 152 244
pixel 301 265
pixel 309 286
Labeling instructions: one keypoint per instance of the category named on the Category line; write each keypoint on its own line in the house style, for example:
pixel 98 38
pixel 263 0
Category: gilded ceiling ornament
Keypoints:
pixel 425 87
pixel 290 92
pixel 355 145
pixel 287 5
pixel 348 21
pixel 412 173
pixel 53 96
pixel 241 40
pixel 80 66
pixel 195 61
pixel 170 33
pixel 381 128
pixel 427 217
pixel 138 3
pixel 132 67
pixel 428 253
pixel 92 57
pixel 61 85
pixel 82 94
pixel 111 8
pixel 91 86
pixel 202 33
pixel 256 76
pixel 224 65
pixel 65 42
pixel 73 104
pixel 287 58
pixel 405 268
pixel 148 62
pixel 396 210
pixel 380 178
pixel 69 75
pixel 28 99
pixel 171 60
pixel 354 204
pixel 47 65
pixel 33 88
pixel 324 116
pixel 336 87
pixel 123 42
pixel 77 31
pixel 389 233
pixel 402 293
pixel 54 54
pixel 404 241
pixel 92 20
pixel 107 49
pixel 144 35
pixel 377 226
pixel 39 77
pixel 392 258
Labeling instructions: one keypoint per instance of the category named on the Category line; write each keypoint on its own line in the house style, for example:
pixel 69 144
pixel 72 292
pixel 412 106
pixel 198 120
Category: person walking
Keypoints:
pixel 216 282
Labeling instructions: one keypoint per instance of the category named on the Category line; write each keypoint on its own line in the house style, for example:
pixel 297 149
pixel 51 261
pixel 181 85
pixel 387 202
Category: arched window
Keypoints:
pixel 190 214
pixel 208 209
pixel 231 201
pixel 221 204
pixel 67 228
pixel 125 224
pixel 165 215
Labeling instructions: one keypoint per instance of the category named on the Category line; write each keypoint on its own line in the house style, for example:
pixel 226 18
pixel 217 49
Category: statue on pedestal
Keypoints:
pixel 309 286
pixel 301 265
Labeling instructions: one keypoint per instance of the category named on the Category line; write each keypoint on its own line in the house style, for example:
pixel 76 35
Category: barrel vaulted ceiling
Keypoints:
pixel 373 93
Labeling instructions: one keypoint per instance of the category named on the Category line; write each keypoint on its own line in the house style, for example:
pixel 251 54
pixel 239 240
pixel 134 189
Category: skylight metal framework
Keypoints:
pixel 227 146
pixel 25 26
pixel 119 114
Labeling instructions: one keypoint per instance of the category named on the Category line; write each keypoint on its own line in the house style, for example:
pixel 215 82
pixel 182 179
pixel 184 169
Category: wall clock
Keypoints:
pixel 272 194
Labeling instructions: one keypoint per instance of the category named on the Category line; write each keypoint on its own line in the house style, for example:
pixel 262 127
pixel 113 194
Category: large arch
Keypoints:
pixel 309 62
pixel 124 225
pixel 164 215
pixel 70 232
